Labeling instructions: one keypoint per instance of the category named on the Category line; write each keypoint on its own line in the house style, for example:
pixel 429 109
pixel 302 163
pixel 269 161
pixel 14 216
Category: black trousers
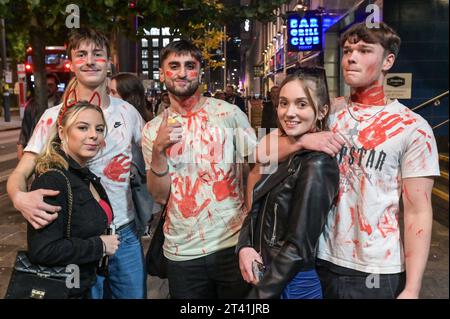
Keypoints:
pixel 343 283
pixel 210 277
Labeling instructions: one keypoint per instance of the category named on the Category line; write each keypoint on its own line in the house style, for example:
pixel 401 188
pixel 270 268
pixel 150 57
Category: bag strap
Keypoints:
pixel 164 212
pixel 69 201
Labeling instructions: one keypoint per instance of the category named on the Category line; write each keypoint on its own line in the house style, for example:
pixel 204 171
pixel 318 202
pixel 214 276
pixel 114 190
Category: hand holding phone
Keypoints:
pixel 258 270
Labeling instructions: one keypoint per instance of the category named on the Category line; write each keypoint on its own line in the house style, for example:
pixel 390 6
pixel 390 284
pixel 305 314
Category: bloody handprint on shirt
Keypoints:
pixel 377 132
pixel 211 139
pixel 118 166
pixel 226 187
pixel 187 205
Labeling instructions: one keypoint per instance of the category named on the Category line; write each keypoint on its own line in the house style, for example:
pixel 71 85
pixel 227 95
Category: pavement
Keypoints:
pixel 15 123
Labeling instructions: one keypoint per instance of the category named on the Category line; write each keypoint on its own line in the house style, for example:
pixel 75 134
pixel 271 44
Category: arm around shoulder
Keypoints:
pixel 30 204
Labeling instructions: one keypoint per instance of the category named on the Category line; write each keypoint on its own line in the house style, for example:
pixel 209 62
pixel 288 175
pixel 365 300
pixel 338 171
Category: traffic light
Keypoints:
pixel 132 4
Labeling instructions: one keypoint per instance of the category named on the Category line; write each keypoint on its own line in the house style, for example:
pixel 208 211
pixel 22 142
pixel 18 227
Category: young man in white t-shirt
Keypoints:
pixel 389 152
pixel 191 153
pixel 88 51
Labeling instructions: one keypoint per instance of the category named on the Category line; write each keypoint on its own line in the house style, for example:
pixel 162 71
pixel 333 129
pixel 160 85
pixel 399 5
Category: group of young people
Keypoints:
pixel 322 223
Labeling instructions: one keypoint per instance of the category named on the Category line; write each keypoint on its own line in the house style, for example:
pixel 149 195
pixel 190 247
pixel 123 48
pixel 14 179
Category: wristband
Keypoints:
pixel 104 248
pixel 160 174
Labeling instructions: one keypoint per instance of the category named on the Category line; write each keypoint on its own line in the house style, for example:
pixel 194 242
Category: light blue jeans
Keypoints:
pixel 127 278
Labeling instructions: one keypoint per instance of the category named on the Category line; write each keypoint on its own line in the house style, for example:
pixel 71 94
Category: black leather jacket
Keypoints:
pixel 287 217
pixel 49 247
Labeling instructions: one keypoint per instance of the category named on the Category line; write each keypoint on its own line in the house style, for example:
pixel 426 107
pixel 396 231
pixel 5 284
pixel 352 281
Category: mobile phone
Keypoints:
pixel 103 268
pixel 258 270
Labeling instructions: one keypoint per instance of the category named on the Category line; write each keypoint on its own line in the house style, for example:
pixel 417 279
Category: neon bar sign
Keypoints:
pixel 304 33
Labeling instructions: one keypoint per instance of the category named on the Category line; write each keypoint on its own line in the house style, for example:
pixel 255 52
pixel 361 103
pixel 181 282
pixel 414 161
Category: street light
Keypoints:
pixel 300 6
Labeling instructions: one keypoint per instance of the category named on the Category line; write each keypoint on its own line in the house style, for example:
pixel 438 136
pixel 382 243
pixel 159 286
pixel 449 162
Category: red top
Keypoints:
pixel 107 210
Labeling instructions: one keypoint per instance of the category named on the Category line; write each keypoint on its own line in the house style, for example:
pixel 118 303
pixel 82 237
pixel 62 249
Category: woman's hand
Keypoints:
pixel 246 257
pixel 110 244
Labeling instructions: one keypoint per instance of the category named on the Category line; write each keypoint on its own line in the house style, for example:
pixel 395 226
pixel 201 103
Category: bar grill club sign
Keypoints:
pixel 304 31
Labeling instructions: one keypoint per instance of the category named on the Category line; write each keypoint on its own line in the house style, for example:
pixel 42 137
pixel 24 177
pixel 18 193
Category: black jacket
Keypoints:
pixel 30 119
pixel 238 101
pixel 49 246
pixel 288 214
pixel 269 115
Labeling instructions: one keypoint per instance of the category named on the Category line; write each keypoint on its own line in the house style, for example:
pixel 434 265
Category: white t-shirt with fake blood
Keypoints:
pixel 383 145
pixel 205 207
pixel 112 163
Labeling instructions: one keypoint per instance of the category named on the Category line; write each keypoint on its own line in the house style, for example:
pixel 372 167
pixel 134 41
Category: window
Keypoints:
pixel 155 42
pixel 144 43
pixel 166 41
pixel 155 54
pixel 144 54
pixel 165 31
pixel 155 64
pixel 52 58
pixel 154 31
pixel 156 75
pixel 144 64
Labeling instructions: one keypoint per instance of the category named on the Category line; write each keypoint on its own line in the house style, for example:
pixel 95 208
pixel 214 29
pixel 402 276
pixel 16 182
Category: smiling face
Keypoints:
pixel 90 64
pixel 181 74
pixel 295 112
pixel 84 137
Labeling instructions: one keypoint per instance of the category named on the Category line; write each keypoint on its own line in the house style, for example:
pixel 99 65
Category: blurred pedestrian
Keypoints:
pixel 269 112
pixel 164 104
pixel 220 95
pixel 128 87
pixel 30 116
pixel 232 97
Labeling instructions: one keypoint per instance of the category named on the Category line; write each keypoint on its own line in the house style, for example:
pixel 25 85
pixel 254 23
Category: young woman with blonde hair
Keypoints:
pixel 76 138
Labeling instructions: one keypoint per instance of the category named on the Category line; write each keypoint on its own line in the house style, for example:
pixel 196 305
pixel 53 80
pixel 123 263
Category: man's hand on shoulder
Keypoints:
pixel 32 206
pixel 327 142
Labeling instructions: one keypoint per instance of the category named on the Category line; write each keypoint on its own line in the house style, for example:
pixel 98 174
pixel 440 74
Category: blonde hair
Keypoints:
pixel 51 156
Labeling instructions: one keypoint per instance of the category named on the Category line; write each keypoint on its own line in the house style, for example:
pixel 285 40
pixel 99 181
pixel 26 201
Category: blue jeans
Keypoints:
pixel 127 277
pixel 305 285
